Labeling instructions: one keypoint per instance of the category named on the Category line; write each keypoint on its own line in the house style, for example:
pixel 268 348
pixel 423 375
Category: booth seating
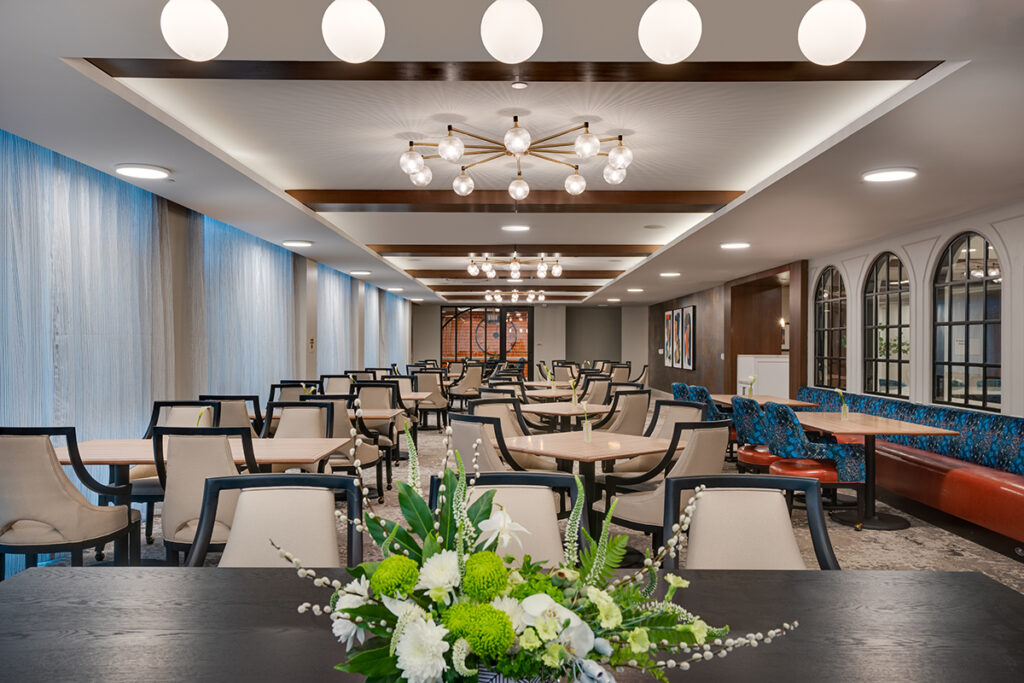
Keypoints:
pixel 977 475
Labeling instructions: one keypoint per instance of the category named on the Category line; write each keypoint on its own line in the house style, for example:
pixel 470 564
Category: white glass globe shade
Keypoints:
pixel 612 175
pixel 518 189
pixel 575 184
pixel 620 157
pixel 492 273
pixel 488 296
pixel 487 266
pixel 473 269
pixel 451 148
pixel 497 296
pixel 353 30
pixel 410 161
pixel 670 30
pixel 540 297
pixel 542 273
pixel 511 30
pixel 463 185
pixel 556 270
pixel 587 145
pixel 515 297
pixel 832 31
pixel 422 177
pixel 531 296
pixel 195 29
pixel 517 140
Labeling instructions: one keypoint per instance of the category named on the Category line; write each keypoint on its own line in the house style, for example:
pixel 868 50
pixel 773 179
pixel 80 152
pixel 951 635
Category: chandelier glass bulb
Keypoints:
pixel 353 30
pixel 575 184
pixel 195 29
pixel 473 268
pixel 620 157
pixel 612 175
pixel 411 161
pixel 540 297
pixel 488 296
pixel 497 296
pixel 531 295
pixel 517 140
pixel 511 30
pixel 451 148
pixel 670 31
pixel 515 296
pixel 832 31
pixel 491 274
pixel 487 266
pixel 463 184
pixel 556 269
pixel 518 189
pixel 587 145
pixel 422 177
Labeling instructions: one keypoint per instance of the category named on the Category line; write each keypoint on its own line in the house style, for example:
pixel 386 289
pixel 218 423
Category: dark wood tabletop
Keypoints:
pixel 178 624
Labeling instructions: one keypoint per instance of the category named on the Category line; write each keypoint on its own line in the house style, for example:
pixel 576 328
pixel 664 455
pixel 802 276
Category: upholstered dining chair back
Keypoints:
pixel 189 462
pixel 642 377
pixel 620 373
pixel 289 392
pixel 472 378
pixel 704 452
pixel 596 390
pixel 455 368
pixel 337 384
pixel 404 383
pixel 562 373
pixel 300 420
pixel 534 507
pixel 504 410
pixel 177 414
pixel 431 381
pixel 235 413
pixel 465 433
pixel 632 413
pixel 667 413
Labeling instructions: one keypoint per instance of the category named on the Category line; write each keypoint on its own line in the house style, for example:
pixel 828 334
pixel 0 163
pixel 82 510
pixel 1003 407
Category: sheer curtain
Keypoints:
pixel 250 312
pixel 371 328
pixel 334 321
pixel 397 321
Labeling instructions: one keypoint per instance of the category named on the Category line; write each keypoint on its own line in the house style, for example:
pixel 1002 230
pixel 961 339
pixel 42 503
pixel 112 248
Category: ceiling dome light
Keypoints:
pixel 410 161
pixel 832 31
pixel 353 30
pixel 612 175
pixel 556 269
pixel 587 144
pixel 511 30
pixel 735 245
pixel 422 177
pixel 889 175
pixel 620 157
pixel 473 269
pixel 451 148
pixel 142 171
pixel 463 184
pixel 297 244
pixel 518 189
pixel 195 29
pixel 670 31
pixel 517 140
pixel 575 184
pixel 516 228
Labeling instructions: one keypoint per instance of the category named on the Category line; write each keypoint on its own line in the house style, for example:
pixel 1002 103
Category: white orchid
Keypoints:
pixel 420 651
pixel 440 576
pixel 500 527
pixel 541 611
pixel 355 594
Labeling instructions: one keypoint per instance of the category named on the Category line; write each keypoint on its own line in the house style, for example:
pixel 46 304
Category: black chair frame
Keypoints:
pixel 442 413
pixel 274 405
pixel 495 423
pixel 362 432
pixel 660 403
pixel 254 399
pixel 615 405
pixel 515 404
pixel 637 379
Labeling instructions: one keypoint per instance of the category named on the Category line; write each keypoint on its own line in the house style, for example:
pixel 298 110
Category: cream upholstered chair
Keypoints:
pixel 41 511
pixel 666 414
pixel 619 372
pixel 468 386
pixel 295 511
pixel 336 384
pixel 380 396
pixel 467 430
pixel 743 522
pixel 367 451
pixel 432 381
pixel 644 509
pixel 455 369
pixel 628 414
pixel 642 377
pixel 595 389
pixel 185 458
pixel 234 411
pixel 300 419
pixel 562 373
pixel 506 411
pixel 291 389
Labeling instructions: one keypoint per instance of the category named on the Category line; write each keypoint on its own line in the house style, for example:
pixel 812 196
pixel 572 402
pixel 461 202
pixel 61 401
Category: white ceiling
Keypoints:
pixel 963 132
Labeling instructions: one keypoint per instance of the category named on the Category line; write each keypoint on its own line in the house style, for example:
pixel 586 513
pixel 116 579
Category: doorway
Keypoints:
pixel 488 334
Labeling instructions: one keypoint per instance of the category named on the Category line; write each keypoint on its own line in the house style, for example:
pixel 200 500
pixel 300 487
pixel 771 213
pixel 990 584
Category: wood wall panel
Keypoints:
pixel 708 349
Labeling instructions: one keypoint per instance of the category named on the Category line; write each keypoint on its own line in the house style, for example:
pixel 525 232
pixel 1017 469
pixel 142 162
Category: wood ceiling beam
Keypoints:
pixel 525 250
pixel 549 286
pixel 461 274
pixel 498 201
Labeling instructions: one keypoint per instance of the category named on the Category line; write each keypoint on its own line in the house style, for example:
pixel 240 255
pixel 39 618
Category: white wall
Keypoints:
pixel 635 321
pixel 920 251
pixel 426 332
pixel 549 333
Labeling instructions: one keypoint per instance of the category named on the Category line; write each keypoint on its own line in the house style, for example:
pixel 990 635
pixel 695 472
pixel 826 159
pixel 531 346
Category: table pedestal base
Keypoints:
pixel 879 522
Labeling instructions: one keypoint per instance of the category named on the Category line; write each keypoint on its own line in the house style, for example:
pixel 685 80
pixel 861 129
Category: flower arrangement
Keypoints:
pixel 445 604
pixel 844 410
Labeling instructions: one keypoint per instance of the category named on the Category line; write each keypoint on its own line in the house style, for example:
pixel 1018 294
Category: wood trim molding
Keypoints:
pixel 560 72
pixel 498 201
pixel 551 285
pixel 461 274
pixel 525 250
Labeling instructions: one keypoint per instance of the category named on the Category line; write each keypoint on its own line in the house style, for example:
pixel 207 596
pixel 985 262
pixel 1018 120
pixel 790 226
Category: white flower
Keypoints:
pixel 577 637
pixel 439 576
pixel 355 594
pixel 500 526
pixel 513 609
pixel 421 651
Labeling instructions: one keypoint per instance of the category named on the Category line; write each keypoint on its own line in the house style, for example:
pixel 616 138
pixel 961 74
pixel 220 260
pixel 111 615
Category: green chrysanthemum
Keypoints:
pixel 487 630
pixel 486 576
pixel 538 583
pixel 396 574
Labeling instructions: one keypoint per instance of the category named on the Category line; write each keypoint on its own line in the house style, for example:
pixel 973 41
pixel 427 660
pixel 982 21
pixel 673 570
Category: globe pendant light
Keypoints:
pixel 473 269
pixel 422 177
pixel 556 270
pixel 621 156
pixel 670 31
pixel 531 295
pixel 540 296
pixel 451 148
pixel 612 175
pixel 575 184
pixel 195 29
pixel 515 295
pixel 517 140
pixel 410 162
pixel 353 30
pixel 492 273
pixel 587 144
pixel 463 184
pixel 518 189
pixel 832 31
pixel 511 30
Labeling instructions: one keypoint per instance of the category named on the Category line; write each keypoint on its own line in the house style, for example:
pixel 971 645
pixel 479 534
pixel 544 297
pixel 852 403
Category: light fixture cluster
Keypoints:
pixel 531 296
pixel 518 143
pixel 511 30
pixel 515 264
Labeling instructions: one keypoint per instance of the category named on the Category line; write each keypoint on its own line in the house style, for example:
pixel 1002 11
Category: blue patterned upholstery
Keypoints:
pixel 701 395
pixel 680 391
pixel 748 419
pixel 786 439
pixel 986 439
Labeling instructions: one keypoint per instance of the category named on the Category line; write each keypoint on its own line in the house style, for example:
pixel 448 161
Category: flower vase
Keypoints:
pixel 575 401
pixel 844 414
pixel 588 432
pixel 553 385
pixel 488 676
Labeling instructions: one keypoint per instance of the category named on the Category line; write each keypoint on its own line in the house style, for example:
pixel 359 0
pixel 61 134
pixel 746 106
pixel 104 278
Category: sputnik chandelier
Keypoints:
pixel 518 143
pixel 497 296
pixel 486 266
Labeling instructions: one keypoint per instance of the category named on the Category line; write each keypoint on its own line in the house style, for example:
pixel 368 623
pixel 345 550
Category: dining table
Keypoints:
pixel 870 427
pixel 565 411
pixel 549 394
pixel 129 624
pixel 761 399
pixel 546 384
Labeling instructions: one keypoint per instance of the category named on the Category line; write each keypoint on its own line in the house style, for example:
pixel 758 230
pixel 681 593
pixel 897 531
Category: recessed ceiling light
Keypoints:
pixel 520 85
pixel 142 171
pixel 889 175
pixel 360 272
pixel 515 228
pixel 416 300
pixel 634 290
pixel 735 245
pixel 395 289
pixel 515 279
pixel 670 274
pixel 297 243
pixel 613 301
pixel 653 227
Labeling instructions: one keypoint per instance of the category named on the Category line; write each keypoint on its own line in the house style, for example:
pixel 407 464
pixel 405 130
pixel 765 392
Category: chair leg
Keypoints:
pixel 31 560
pixel 859 491
pixel 387 466
pixel 76 557
pixel 789 501
pixel 172 558
pixel 657 540
pixel 3 565
pixel 380 481
pixel 99 553
pixel 135 544
pixel 149 522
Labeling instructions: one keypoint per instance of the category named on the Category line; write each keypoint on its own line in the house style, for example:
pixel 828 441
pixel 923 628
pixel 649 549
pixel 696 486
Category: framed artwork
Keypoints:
pixel 686 339
pixel 669 339
pixel 677 348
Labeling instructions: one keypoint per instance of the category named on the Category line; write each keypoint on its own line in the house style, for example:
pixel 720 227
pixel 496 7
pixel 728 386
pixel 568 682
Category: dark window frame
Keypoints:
pixel 878 287
pixel 830 370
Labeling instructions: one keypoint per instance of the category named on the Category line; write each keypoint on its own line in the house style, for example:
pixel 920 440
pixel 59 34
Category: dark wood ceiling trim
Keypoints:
pixel 548 286
pixel 526 250
pixel 498 201
pixel 561 72
pixel 461 274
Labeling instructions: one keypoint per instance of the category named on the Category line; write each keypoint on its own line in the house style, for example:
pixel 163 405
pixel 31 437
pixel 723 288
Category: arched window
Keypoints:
pixel 887 328
pixel 968 303
pixel 830 330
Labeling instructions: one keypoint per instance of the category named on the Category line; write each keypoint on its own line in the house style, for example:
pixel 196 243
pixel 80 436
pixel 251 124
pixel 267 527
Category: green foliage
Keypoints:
pixel 371 659
pixel 538 583
pixel 486 576
pixel 396 575
pixel 572 529
pixel 415 511
pixel 403 538
pixel 599 570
